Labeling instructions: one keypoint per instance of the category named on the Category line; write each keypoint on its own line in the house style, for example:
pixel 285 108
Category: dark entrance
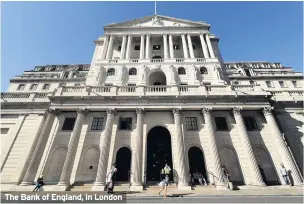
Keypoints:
pixel 123 164
pixel 196 161
pixel 156 57
pixel 158 153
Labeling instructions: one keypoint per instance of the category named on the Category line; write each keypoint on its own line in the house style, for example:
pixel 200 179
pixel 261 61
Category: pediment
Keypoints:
pixel 157 21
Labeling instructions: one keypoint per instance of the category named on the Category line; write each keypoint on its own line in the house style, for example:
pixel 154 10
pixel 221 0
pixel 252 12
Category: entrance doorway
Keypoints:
pixel 197 162
pixel 157 78
pixel 158 153
pixel 123 164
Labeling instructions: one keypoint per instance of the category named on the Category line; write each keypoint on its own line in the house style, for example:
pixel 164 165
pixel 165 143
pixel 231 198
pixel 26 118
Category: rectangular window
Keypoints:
pixel 250 123
pixel 137 47
pixel 221 123
pixel 175 47
pixel 282 84
pixel 68 124
pixel 269 84
pixel 193 47
pixel 295 84
pixel 156 47
pixel 119 48
pixel 21 87
pixel 46 87
pixel 4 131
pixel 33 87
pixel 125 123
pixel 191 123
pixel 97 123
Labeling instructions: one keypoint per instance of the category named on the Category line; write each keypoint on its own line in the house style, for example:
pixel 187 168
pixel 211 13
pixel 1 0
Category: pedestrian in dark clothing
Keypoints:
pixel 39 183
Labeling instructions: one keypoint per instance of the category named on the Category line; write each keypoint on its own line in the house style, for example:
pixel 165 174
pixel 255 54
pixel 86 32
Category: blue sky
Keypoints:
pixel 40 33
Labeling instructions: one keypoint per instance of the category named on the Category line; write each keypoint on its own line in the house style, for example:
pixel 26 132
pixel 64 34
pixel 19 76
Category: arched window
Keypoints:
pixel 133 71
pixel 111 72
pixel 203 70
pixel 181 70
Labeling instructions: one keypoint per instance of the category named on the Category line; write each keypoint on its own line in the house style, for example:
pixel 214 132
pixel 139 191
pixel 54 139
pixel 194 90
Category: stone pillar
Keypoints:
pixel 104 152
pixel 148 46
pixel 165 46
pixel 109 52
pixel 128 54
pixel 185 49
pixel 253 166
pixel 105 47
pixel 136 170
pixel 39 147
pixel 213 148
pixel 123 47
pixel 281 146
pixel 68 163
pixel 142 47
pixel 181 169
pixel 209 46
pixel 171 46
pixel 204 46
pixel 190 46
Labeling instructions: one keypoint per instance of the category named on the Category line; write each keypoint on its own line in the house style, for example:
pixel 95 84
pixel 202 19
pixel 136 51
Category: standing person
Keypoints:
pixel 263 174
pixel 226 175
pixel 284 174
pixel 201 179
pixel 165 182
pixel 111 179
pixel 39 183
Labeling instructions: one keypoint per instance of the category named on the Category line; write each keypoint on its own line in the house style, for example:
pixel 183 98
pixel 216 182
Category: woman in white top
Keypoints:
pixel 111 179
pixel 165 182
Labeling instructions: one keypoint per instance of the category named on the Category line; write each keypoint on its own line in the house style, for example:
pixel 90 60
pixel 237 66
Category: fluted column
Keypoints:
pixel 165 46
pixel 281 145
pixel 185 49
pixel 105 47
pixel 128 54
pixel 181 170
pixel 137 155
pixel 190 46
pixel 109 51
pixel 68 162
pixel 253 166
pixel 123 47
pixel 39 147
pixel 204 46
pixel 142 47
pixel 216 162
pixel 148 46
pixel 209 46
pixel 104 150
pixel 171 46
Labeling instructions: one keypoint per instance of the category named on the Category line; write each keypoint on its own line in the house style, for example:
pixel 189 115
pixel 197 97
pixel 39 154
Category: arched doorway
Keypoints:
pixel 89 165
pixel 264 160
pixel 159 152
pixel 123 164
pixel 55 165
pixel 196 161
pixel 229 158
pixel 157 78
pixel 156 57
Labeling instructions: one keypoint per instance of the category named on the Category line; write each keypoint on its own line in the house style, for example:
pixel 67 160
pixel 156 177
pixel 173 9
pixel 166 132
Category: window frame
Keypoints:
pixel 181 71
pixel 175 47
pixel 31 87
pixel 19 87
pixel 133 71
pixel 247 124
pixel 44 85
pixel 191 123
pixel 65 119
pixel 136 47
pixel 95 125
pixel 154 47
pixel 284 84
pixel 217 128
pixel 203 70
pixel 119 48
pixel 271 84
pixel 111 70
pixel 128 126
pixel 296 84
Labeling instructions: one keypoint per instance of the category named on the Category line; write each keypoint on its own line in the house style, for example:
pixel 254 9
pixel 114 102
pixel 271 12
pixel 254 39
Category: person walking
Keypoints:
pixel 165 182
pixel 111 179
pixel 39 183
pixel 284 174
pixel 226 175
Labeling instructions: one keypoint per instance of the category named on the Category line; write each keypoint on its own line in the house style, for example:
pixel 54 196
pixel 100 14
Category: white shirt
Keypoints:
pixel 283 171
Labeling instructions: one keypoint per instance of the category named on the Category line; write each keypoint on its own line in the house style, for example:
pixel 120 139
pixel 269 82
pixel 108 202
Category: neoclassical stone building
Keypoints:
pixel 157 90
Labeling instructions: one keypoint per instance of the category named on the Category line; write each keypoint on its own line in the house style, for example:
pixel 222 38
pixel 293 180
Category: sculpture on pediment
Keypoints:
pixel 157 21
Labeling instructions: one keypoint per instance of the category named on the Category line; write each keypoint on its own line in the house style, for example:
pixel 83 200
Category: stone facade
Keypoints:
pixel 70 123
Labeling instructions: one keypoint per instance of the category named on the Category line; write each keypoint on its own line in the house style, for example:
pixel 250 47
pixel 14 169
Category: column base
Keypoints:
pixel 98 188
pixel 222 186
pixel 137 188
pixel 26 183
pixel 61 187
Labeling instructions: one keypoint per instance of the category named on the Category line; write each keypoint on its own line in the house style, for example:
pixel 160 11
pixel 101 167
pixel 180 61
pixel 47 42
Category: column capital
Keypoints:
pixel 24 114
pixel 206 110
pixel 140 111
pixel 148 34
pixel 52 111
pixel 110 111
pixel 177 111
pixel 267 110
pixel 82 111
pixel 236 110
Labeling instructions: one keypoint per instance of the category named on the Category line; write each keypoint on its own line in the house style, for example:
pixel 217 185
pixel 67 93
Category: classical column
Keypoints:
pixel 171 46
pixel 105 47
pixel 190 46
pixel 281 145
pixel 109 52
pixel 67 166
pixel 128 53
pixel 185 49
pixel 209 46
pixel 165 46
pixel 137 155
pixel 204 46
pixel 181 170
pixel 142 47
pixel 213 147
pixel 39 147
pixel 253 166
pixel 104 150
pixel 148 46
pixel 123 47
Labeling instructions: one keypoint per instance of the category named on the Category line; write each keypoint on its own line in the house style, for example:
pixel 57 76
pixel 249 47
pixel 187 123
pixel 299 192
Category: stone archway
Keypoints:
pixel 157 78
pixel 156 57
pixel 55 165
pixel 197 161
pixel 159 152
pixel 89 165
pixel 123 164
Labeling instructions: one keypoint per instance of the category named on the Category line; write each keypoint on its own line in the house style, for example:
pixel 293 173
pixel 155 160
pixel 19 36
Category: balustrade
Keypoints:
pixel 156 88
pixel 243 87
